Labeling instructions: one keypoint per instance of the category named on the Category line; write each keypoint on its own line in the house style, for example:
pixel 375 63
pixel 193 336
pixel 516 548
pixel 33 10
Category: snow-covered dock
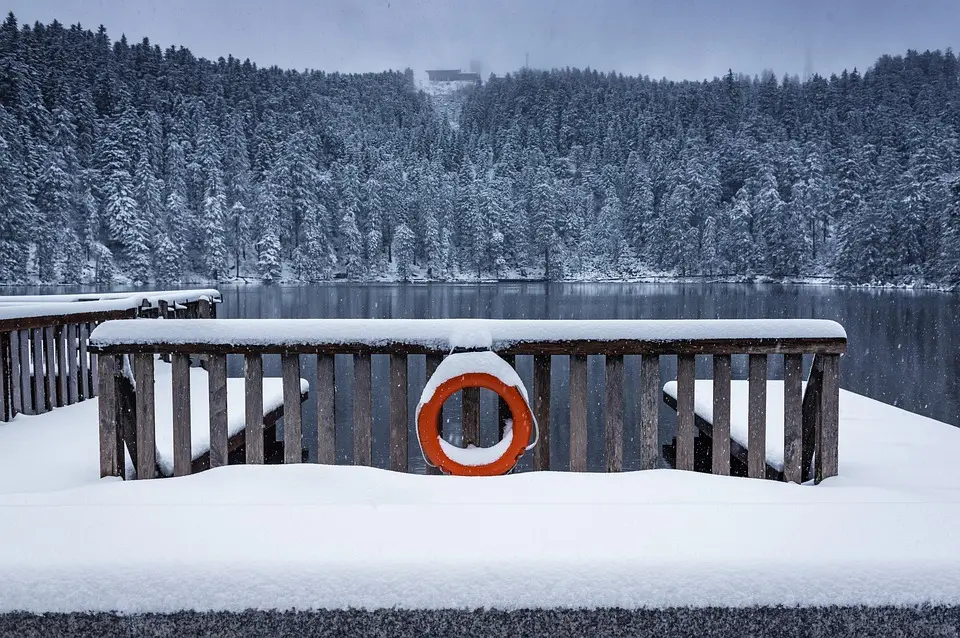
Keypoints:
pixel 883 532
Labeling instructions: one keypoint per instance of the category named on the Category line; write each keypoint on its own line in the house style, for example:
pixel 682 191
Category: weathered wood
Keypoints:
pixel 16 400
pixel 470 416
pixel 111 439
pixel 686 375
pixel 60 335
pixel 721 414
pixel 203 312
pixel 398 413
pixel 26 379
pixel 811 415
pixel 85 380
pixel 29 323
pixel 217 389
pixel 182 438
pixel 827 452
pixel 433 361
pixel 793 418
pixel 503 410
pixel 253 408
pixel 125 399
pixel 146 417
pixel 757 416
pixel 541 410
pixel 326 412
pixel 73 379
pixel 362 411
pixel 39 380
pixel 578 413
pixel 93 365
pixel 49 368
pixel 649 411
pixel 613 413
pixel 292 417
pixel 4 377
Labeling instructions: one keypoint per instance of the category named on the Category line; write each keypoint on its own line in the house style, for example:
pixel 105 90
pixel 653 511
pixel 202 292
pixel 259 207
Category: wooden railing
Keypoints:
pixel 811 421
pixel 44 359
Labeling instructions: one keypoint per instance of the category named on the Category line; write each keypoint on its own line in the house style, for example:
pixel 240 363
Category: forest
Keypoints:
pixel 125 163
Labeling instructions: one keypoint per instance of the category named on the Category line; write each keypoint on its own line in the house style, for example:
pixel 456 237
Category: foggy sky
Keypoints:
pixel 678 39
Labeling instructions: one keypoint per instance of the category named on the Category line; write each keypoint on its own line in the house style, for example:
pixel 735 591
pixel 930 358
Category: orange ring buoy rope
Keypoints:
pixel 428 418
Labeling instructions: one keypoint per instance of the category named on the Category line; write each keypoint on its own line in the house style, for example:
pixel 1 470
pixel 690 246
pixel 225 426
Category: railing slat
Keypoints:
pixel 649 411
pixel 26 379
pixel 470 416
pixel 4 377
pixel 811 415
pixel 686 374
pixel 39 382
pixel 827 453
pixel 793 418
pixel 85 379
pixel 146 417
pixel 73 389
pixel 94 383
pixel 362 411
pixel 541 410
pixel 253 408
pixel 326 410
pixel 111 439
pixel 613 426
pixel 503 410
pixel 721 414
pixel 292 417
pixel 217 390
pixel 15 379
pixel 578 413
pixel 61 336
pixel 398 412
pixel 433 361
pixel 757 417
pixel 49 368
pixel 182 438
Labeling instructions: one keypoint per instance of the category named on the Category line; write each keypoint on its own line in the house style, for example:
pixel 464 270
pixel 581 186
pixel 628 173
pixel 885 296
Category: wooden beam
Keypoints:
pixel 93 365
pixel 649 411
pixel 757 416
pixel 63 374
pixel 470 416
pixel 112 461
pixel 4 378
pixel 326 410
pixel 16 364
pixel 253 408
pixel 182 437
pixel 73 378
pixel 721 414
pixel 292 416
pixel 811 416
pixel 362 411
pixel 146 417
pixel 686 375
pixel 85 380
pixel 217 391
pixel 39 381
pixel 398 412
pixel 578 413
pixel 827 453
pixel 613 413
pixel 793 418
pixel 541 410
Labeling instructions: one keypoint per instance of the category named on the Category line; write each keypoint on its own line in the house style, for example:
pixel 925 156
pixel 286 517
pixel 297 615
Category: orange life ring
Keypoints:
pixel 429 418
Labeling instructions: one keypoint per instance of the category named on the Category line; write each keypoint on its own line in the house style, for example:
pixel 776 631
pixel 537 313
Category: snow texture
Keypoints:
pixel 882 533
pixel 473 455
pixel 56 305
pixel 448 334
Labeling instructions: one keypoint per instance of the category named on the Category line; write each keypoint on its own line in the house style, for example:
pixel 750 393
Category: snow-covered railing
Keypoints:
pixel 44 360
pixel 810 420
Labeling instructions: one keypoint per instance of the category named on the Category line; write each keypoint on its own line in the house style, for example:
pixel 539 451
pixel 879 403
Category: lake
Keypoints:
pixel 904 345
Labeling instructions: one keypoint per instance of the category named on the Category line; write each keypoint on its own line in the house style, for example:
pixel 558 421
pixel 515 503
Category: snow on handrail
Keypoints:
pixel 447 334
pixel 50 305
pixel 171 296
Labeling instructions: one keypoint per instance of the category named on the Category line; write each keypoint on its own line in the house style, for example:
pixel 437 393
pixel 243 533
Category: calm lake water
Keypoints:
pixel 904 346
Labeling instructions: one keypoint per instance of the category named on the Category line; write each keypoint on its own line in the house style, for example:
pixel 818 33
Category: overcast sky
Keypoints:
pixel 679 39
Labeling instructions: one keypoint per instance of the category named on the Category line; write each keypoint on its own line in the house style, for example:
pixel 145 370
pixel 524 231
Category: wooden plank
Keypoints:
pixel 73 379
pixel 93 365
pixel 29 323
pixel 811 416
pixel 39 381
pixel 398 412
pixel 85 390
pixel 470 419
pixel 757 417
pixel 433 361
pixel 541 410
pixel 111 441
pixel 649 411
pixel 613 413
pixel 4 377
pixel 362 411
pixel 253 408
pixel 60 334
pixel 503 410
pixel 26 389
pixel 203 312
pixel 721 414
pixel 217 389
pixel 182 439
pixel 146 417
pixel 292 417
pixel 827 452
pixel 49 367
pixel 686 375
pixel 326 412
pixel 793 418
pixel 578 413
pixel 15 365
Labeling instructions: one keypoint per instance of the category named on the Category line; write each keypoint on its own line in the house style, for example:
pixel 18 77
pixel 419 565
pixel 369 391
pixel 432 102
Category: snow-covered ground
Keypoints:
pixel 886 531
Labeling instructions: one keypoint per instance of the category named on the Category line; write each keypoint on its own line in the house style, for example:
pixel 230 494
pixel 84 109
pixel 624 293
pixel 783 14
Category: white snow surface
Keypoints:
pixel 18 307
pixel 473 455
pixel 739 425
pixel 885 532
pixel 449 333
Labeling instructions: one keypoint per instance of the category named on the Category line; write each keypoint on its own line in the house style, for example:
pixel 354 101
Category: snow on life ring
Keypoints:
pixel 474 370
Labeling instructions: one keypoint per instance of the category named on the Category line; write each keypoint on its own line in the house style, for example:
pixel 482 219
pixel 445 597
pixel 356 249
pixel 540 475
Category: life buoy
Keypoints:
pixel 429 414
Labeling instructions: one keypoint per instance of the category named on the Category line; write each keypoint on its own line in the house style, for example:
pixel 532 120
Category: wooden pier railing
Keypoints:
pixel 811 421
pixel 44 359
